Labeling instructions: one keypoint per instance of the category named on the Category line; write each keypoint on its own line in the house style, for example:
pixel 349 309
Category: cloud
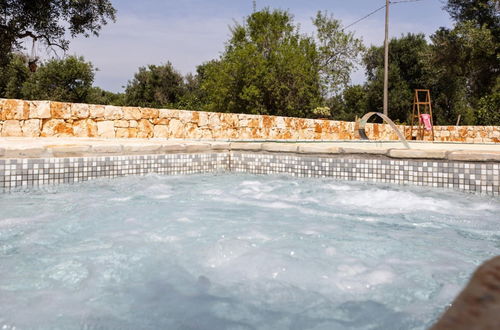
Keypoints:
pixel 140 39
pixel 133 42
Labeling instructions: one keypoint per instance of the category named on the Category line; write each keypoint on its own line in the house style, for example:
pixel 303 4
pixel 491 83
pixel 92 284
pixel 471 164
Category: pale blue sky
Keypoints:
pixel 190 32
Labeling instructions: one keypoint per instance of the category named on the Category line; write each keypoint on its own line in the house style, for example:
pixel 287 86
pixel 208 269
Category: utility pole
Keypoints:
pixel 386 59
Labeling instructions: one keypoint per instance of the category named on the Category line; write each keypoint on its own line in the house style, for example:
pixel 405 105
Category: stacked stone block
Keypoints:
pixel 57 119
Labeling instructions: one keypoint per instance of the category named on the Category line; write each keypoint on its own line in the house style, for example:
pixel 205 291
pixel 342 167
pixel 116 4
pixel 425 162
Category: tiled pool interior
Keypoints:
pixel 236 251
pixel 477 177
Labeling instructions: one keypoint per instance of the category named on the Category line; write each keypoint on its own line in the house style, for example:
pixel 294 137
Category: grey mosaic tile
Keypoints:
pixel 473 177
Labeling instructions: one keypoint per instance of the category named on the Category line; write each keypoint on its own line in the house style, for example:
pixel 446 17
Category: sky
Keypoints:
pixel 190 32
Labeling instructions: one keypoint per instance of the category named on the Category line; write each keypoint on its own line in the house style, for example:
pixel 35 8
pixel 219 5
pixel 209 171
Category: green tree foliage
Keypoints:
pixel 12 77
pixel 488 110
pixel 155 86
pixel 67 80
pixel 97 95
pixel 193 97
pixel 339 53
pixel 408 70
pixel 268 67
pixel 482 12
pixel 49 21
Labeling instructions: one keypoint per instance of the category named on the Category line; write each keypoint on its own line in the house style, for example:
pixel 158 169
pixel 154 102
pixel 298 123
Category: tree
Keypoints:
pixel 268 67
pixel 13 76
pixel 49 21
pixel 97 95
pixel 193 97
pixel 155 86
pixel 484 13
pixel 408 70
pixel 67 80
pixel 339 53
pixel 464 68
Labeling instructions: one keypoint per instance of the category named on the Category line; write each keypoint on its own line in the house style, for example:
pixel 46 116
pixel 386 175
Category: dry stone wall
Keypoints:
pixel 57 119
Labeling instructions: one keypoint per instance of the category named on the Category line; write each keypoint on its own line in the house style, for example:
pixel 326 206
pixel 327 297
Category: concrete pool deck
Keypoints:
pixel 17 147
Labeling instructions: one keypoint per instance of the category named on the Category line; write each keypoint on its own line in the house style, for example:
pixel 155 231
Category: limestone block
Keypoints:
pixel 133 123
pixel 229 120
pixel 168 113
pixel 31 128
pixel 14 109
pixel 141 148
pixel 255 122
pixel 107 149
pixel 145 129
pixel 318 149
pixel 416 154
pixel 176 128
pixel 161 121
pixel 85 128
pixel 173 148
pixel 220 146
pixel 203 133
pixel 11 128
pixel 189 129
pixel 57 128
pixel 122 123
pixel 130 113
pixel 307 134
pixel 361 150
pixel 80 111
pixel 40 109
pixel 60 110
pixel 112 112
pixel 198 147
pixel 122 132
pixel 280 122
pixel 214 121
pixel 243 120
pixel 25 152
pixel 106 129
pixel 160 131
pixel 96 111
pixel 149 113
pixel 268 122
pixel 203 119
pixel 69 150
pixel 185 116
pixel 473 155
pixel 280 147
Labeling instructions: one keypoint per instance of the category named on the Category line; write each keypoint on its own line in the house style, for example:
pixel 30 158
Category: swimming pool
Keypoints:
pixel 231 251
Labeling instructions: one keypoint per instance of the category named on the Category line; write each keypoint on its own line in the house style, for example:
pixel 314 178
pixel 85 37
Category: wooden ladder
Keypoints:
pixel 417 112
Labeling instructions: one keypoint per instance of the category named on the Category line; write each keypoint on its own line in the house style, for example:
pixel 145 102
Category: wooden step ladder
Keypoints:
pixel 418 111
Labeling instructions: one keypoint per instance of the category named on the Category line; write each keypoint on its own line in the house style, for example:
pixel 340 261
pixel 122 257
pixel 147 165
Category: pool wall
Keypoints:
pixel 56 119
pixel 479 173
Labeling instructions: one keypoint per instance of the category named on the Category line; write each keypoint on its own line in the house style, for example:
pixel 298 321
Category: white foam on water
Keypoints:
pixel 238 252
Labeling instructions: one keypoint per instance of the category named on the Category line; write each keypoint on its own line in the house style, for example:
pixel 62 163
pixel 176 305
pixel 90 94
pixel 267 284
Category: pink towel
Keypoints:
pixel 426 119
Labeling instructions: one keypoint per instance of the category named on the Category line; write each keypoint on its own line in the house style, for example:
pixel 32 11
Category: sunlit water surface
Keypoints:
pixel 237 252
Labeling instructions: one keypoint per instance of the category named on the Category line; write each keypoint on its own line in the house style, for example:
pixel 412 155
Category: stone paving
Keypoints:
pixel 82 147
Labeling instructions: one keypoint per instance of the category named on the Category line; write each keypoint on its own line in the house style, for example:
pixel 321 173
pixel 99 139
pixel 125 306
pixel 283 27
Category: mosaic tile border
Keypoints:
pixel 476 177
pixel 18 173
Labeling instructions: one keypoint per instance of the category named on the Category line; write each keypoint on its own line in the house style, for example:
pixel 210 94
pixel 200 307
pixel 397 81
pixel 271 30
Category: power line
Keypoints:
pixel 402 1
pixel 377 10
pixel 365 17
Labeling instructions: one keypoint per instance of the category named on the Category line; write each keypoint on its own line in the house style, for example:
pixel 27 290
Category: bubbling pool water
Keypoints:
pixel 237 252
